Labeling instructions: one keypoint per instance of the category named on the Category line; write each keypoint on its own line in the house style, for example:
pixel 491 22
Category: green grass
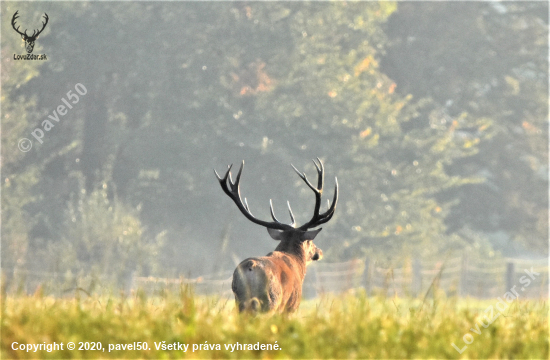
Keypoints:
pixel 346 327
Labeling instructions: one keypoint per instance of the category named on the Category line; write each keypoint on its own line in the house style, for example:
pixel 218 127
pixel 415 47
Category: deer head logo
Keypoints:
pixel 29 40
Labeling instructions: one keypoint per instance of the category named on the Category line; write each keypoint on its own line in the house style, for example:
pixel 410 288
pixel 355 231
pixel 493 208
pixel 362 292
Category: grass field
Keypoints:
pixel 346 327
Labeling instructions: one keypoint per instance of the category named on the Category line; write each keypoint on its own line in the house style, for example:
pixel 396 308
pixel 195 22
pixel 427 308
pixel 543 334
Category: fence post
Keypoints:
pixel 464 276
pixel 318 290
pixel 510 272
pixel 351 275
pixel 417 277
pixel 366 276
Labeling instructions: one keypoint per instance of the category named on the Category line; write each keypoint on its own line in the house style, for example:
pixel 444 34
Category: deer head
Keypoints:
pixel 29 40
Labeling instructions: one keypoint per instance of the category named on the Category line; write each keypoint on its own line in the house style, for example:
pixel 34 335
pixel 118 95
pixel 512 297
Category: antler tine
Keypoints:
pixel 320 180
pixel 320 173
pixel 332 207
pixel 304 177
pixel 289 211
pixel 291 214
pixel 238 178
pixel 220 179
pixel 230 176
pixel 273 212
pixel 224 179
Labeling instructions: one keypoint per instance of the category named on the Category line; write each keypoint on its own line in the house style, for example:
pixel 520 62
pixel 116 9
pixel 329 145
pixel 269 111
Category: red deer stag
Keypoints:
pixel 274 282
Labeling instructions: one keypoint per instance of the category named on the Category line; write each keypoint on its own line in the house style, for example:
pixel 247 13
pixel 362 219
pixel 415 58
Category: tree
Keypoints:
pixel 490 60
pixel 273 83
pixel 17 179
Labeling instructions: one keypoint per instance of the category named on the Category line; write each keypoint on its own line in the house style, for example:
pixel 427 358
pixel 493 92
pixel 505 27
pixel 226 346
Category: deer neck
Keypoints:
pixel 296 251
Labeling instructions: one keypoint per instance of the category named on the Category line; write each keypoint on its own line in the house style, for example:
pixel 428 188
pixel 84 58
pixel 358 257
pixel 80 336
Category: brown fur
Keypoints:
pixel 275 280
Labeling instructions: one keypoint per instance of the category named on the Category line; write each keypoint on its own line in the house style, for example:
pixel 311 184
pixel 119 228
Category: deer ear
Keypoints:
pixel 275 234
pixel 310 235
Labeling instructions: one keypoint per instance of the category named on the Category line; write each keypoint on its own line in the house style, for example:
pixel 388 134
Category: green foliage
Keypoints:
pixel 490 61
pixel 18 177
pixel 351 326
pixel 103 237
pixel 333 92
pixel 269 82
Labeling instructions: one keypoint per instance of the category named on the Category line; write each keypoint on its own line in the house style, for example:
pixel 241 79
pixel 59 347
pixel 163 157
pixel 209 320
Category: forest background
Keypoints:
pixel 433 116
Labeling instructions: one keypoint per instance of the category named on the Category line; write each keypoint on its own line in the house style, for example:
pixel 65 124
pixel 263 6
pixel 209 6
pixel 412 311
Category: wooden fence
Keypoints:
pixel 479 278
pixel 460 276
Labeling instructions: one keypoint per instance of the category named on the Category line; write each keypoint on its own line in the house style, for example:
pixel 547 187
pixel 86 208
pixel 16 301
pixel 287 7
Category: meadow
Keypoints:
pixel 344 327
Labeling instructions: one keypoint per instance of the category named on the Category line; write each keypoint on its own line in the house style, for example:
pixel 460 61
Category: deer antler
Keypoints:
pixel 35 33
pixel 233 191
pixel 15 17
pixel 43 26
pixel 317 218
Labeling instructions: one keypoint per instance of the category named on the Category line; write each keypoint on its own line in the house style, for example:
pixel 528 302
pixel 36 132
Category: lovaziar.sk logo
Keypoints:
pixel 29 39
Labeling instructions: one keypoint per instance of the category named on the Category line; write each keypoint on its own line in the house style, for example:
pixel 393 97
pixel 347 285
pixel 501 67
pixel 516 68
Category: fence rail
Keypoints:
pixel 460 276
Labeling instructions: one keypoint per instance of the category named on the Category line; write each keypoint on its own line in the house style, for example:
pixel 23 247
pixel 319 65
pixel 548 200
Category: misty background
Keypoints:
pixel 433 116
